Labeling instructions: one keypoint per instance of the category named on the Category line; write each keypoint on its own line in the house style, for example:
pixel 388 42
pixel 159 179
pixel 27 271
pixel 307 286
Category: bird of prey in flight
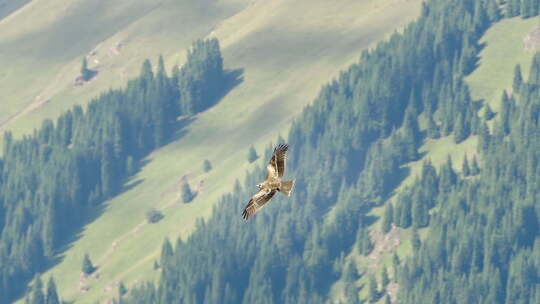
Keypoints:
pixel 272 184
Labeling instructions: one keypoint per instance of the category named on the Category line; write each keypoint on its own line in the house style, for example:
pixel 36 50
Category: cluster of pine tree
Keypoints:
pixel 201 79
pixel 347 153
pixel 37 295
pixel 524 8
pixel 483 244
pixel 49 180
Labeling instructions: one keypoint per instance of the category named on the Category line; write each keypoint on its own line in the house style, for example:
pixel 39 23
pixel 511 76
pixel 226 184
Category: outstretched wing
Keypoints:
pixel 257 202
pixel 276 166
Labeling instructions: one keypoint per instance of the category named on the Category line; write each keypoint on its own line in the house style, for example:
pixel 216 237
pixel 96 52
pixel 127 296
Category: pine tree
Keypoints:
pixel 86 73
pixel 36 292
pixel 512 8
pixel 433 129
pixel 351 293
pixel 388 217
pixel 373 292
pixel 395 266
pixel 207 166
pixel 484 138
pixel 122 290
pixel 493 11
pixel 166 253
pixel 365 246
pixel 475 169
pixel 526 8
pixel 87 266
pixel 461 129
pixel 350 274
pixel 52 294
pixel 419 213
pixel 130 166
pixel 385 279
pixel 465 170
pixel 518 79
pixel 488 113
pixel 252 154
pixel 415 240
pixel 187 195
pixel 153 215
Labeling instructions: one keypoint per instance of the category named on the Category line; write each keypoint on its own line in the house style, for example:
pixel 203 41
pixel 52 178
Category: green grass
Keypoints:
pixel 503 49
pixel 287 50
pixel 42 53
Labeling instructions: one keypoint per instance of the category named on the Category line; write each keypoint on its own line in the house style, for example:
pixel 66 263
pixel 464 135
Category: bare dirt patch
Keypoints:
pixel 531 41
pixel 382 243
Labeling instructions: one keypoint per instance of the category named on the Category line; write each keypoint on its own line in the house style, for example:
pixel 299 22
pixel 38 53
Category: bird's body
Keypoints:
pixel 272 184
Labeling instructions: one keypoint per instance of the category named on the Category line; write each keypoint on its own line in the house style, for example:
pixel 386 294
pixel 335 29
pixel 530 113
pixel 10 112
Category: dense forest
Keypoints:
pixel 51 180
pixel 346 154
pixel 483 244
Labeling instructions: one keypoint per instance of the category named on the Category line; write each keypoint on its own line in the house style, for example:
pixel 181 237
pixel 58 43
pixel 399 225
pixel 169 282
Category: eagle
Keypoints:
pixel 273 183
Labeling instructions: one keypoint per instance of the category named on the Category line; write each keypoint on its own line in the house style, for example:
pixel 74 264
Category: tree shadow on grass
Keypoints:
pixel 94 210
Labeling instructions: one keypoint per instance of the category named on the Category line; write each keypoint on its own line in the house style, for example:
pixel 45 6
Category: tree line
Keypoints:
pixel 347 152
pixel 52 178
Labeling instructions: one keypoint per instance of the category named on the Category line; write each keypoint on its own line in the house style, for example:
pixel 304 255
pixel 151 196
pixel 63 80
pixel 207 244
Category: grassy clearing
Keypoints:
pixel 287 50
pixel 41 56
pixel 503 49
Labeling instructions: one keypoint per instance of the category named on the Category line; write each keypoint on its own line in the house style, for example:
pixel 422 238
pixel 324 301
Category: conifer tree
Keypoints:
pixel 373 291
pixel 207 166
pixel 122 290
pixel 465 169
pixel 86 73
pixel 415 239
pixel 52 294
pixel 419 213
pixel 36 292
pixel 388 217
pixel 488 113
pixel 187 195
pixel 395 266
pixel 475 169
pixel 385 279
pixel 252 154
pixel 484 137
pixel 433 129
pixel 87 266
pixel 365 246
pixel 493 12
pixel 518 78
pixel 350 274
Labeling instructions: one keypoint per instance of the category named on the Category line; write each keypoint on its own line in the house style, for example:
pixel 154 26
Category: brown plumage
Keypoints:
pixel 272 184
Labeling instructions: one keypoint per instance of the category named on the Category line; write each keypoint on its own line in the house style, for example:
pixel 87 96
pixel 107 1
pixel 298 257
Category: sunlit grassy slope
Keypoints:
pixel 287 50
pixel 503 48
pixel 41 54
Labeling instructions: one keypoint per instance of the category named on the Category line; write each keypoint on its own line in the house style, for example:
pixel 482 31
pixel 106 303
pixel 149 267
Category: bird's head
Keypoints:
pixel 259 186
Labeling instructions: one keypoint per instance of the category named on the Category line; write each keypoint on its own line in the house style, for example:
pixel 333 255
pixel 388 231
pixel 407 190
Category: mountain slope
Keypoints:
pixel 284 58
pixel 42 53
pixel 198 270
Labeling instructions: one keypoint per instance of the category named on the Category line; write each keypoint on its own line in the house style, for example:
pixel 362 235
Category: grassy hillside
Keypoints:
pixel 503 48
pixel 285 49
pixel 42 53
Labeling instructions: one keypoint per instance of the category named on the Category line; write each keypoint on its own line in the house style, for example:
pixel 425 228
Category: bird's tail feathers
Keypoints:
pixel 287 187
